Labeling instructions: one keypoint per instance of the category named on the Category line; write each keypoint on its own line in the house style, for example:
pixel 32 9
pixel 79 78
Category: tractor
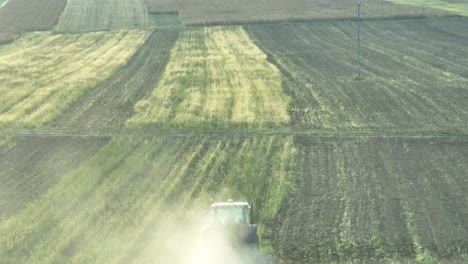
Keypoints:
pixel 234 223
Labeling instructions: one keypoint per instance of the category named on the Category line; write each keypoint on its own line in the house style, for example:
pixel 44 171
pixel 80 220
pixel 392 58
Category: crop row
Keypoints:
pixel 60 69
pixel 216 77
pixel 161 6
pixel 413 73
pixel 120 205
pixel 376 199
pixel 31 15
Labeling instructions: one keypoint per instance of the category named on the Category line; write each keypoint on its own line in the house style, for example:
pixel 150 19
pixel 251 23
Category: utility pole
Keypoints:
pixel 359 40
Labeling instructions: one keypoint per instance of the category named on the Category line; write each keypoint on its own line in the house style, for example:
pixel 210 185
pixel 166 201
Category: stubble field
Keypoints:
pixel 216 77
pixel 60 69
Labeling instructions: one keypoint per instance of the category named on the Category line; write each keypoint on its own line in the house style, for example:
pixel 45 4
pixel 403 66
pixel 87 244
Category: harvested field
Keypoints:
pixel 92 15
pixel 216 77
pixel 216 12
pixel 61 68
pixel 112 102
pixel 414 73
pixel 30 15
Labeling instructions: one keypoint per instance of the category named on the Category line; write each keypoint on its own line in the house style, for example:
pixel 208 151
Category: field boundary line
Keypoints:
pixel 236 132
pixel 319 20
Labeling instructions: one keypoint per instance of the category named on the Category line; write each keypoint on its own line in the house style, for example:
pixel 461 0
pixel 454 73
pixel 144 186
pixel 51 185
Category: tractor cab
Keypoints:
pixel 232 213
pixel 235 221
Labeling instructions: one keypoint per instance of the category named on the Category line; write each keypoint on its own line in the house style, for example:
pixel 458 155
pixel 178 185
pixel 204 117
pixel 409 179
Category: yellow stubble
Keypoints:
pixel 217 74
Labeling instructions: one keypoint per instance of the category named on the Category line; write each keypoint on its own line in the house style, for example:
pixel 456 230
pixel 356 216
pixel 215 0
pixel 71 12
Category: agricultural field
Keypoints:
pixel 216 12
pixel 376 200
pixel 414 73
pixel 455 6
pixel 92 15
pixel 7 35
pixel 109 208
pixel 161 6
pixel 216 77
pixel 124 123
pixel 61 68
pixel 30 15
pixel 111 102
pixel 329 199
pixel 37 163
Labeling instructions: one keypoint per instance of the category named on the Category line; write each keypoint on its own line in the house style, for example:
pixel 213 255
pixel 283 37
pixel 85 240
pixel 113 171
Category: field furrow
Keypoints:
pixel 30 15
pixel 216 77
pixel 375 199
pixel 413 73
pixel 61 68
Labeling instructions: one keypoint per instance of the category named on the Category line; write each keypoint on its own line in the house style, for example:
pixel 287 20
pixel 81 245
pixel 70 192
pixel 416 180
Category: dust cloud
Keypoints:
pixel 189 243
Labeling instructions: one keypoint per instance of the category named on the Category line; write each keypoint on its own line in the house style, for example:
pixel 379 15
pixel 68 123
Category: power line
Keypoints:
pixel 359 40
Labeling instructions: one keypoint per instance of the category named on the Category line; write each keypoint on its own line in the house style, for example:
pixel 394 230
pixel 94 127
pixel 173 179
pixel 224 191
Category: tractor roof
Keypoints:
pixel 227 204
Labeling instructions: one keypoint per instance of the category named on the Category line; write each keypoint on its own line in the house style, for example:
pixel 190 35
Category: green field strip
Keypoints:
pixel 414 73
pixel 216 175
pixel 61 68
pixel 93 15
pixel 46 214
pixel 111 203
pixel 216 77
pixel 459 7
pixel 112 101
pixel 139 202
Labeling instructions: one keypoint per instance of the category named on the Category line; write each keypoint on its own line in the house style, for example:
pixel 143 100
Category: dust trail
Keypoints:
pixel 189 243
